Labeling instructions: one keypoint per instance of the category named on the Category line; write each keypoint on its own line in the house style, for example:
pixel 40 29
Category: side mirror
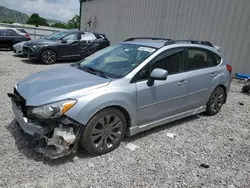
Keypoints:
pixel 157 74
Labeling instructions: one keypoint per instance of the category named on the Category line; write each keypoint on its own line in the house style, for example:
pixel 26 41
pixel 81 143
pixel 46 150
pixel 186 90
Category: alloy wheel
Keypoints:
pixel 217 100
pixel 106 132
pixel 49 57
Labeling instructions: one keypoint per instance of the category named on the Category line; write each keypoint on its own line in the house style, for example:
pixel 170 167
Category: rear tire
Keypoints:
pixel 104 132
pixel 245 89
pixel 215 101
pixel 48 57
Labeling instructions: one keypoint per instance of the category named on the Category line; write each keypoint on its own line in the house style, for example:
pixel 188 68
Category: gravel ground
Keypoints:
pixel 221 143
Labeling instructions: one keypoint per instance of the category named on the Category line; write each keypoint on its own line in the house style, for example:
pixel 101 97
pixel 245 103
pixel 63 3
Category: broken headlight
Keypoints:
pixel 53 110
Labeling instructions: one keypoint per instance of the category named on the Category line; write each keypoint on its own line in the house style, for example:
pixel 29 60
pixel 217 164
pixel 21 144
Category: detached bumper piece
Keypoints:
pixel 55 138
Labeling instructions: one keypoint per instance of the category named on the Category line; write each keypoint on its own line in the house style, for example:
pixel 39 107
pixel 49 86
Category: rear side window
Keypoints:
pixel 200 58
pixel 88 36
pixel 7 33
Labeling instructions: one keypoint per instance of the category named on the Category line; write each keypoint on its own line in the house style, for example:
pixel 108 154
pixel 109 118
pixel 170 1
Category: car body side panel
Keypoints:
pixel 163 99
pixel 201 84
pixel 113 95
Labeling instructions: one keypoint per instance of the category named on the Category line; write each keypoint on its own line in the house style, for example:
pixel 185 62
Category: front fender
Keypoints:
pixel 86 108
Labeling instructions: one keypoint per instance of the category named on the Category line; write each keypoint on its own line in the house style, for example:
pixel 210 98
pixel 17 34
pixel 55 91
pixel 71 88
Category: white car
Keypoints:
pixel 18 48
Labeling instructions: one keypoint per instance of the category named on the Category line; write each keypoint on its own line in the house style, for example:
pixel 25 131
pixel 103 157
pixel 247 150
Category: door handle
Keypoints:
pixel 213 74
pixel 182 82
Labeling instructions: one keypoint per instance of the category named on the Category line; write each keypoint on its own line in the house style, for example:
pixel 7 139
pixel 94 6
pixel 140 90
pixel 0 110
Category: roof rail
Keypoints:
pixel 150 38
pixel 196 42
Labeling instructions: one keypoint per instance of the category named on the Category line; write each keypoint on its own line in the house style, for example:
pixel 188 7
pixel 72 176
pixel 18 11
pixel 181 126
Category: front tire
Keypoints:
pixel 104 132
pixel 216 101
pixel 48 57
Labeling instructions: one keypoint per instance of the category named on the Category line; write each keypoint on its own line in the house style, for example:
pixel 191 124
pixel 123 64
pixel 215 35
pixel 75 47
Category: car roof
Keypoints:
pixel 160 42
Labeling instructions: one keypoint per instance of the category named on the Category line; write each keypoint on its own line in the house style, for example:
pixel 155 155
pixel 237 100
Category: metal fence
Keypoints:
pixel 35 32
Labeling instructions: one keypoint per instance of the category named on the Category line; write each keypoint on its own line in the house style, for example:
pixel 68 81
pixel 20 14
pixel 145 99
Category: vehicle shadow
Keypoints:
pixel 26 146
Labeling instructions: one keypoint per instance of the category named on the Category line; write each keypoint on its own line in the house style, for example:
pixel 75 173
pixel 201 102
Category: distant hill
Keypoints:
pixel 11 15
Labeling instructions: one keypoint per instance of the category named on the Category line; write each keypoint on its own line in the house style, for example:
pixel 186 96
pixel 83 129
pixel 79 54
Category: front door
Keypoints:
pixel 70 46
pixel 164 98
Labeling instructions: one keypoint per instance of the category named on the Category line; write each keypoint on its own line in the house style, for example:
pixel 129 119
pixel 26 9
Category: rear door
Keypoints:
pixel 203 75
pixel 89 44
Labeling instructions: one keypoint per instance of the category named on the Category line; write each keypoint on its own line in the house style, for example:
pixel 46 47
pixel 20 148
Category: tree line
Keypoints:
pixel 37 20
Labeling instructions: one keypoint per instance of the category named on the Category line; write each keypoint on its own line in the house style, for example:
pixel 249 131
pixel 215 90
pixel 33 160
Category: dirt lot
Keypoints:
pixel 221 143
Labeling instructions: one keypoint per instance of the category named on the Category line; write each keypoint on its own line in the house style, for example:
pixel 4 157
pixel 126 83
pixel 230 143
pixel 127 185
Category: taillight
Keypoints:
pixel 28 36
pixel 229 68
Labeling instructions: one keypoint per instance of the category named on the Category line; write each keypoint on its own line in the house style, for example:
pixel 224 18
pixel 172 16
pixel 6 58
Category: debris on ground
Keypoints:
pixel 241 103
pixel 131 146
pixel 171 135
pixel 204 165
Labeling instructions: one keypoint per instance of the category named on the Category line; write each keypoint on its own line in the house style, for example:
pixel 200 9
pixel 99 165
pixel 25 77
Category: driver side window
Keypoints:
pixel 170 60
pixel 71 37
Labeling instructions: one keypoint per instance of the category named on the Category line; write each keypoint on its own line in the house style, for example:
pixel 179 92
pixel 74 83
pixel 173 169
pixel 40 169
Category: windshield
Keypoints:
pixel 55 36
pixel 118 60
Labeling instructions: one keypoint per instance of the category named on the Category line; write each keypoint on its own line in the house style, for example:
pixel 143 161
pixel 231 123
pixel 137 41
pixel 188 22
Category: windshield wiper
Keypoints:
pixel 95 71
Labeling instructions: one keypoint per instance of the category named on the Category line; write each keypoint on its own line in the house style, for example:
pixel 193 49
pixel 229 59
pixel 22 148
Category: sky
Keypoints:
pixel 62 10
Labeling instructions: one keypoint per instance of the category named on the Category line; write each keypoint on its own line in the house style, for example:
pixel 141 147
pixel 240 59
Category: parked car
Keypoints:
pixel 70 46
pixel 18 47
pixel 8 38
pixel 126 88
pixel 21 32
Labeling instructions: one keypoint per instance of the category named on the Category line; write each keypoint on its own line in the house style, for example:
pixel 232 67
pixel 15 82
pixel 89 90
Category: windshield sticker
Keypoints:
pixel 146 49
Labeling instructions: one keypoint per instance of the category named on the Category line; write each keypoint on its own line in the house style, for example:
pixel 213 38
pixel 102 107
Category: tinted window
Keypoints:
pixel 71 37
pixel 201 58
pixel 55 36
pixel 7 33
pixel 170 60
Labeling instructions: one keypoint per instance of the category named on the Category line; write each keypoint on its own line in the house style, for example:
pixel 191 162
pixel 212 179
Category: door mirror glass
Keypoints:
pixel 159 74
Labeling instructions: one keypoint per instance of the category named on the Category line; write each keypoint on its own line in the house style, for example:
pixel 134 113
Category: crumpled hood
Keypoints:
pixel 57 84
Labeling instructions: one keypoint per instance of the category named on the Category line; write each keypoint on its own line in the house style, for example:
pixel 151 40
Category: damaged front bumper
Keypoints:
pixel 54 139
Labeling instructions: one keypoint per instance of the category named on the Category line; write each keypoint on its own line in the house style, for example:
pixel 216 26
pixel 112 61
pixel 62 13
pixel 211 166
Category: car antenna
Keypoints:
pixel 190 37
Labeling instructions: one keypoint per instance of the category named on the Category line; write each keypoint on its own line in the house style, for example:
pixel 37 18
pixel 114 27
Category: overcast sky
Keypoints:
pixel 53 9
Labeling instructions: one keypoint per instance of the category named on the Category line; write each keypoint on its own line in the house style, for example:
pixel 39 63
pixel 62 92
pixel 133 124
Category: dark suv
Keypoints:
pixel 69 45
pixel 9 37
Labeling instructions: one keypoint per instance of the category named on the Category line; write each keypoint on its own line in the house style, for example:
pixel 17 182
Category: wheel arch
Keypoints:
pixel 44 49
pixel 225 90
pixel 120 108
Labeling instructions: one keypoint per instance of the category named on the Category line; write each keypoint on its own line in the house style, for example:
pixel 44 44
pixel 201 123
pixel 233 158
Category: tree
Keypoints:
pixel 35 19
pixel 59 25
pixel 74 22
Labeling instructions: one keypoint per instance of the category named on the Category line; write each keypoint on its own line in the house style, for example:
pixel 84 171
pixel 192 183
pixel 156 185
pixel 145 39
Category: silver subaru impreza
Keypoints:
pixel 127 88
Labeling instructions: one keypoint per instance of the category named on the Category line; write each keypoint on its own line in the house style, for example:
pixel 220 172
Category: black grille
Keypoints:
pixel 20 102
pixel 27 49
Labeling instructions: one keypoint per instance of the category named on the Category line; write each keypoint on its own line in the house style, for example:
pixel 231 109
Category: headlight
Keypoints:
pixel 53 110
